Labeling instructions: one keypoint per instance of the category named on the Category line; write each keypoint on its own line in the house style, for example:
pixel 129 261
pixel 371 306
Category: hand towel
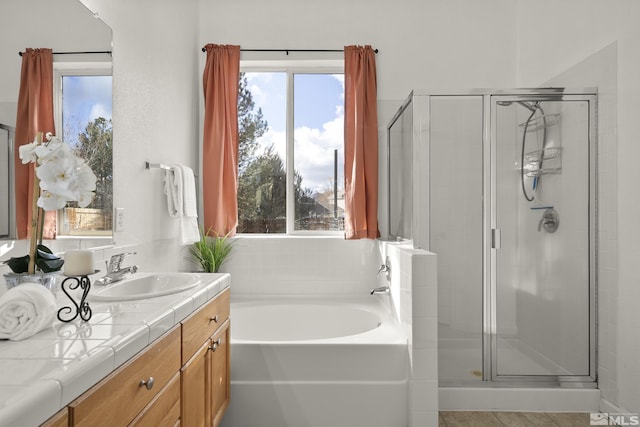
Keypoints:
pixel 180 188
pixel 25 310
pixel 171 191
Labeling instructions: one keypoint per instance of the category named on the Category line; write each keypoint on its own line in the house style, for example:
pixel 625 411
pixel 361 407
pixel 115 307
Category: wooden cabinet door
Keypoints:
pixel 60 419
pixel 194 391
pixel 220 377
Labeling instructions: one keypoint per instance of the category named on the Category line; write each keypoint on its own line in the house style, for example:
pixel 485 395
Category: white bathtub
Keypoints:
pixel 316 362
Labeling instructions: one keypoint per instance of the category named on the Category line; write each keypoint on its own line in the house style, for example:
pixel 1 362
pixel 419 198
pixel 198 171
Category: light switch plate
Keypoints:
pixel 120 219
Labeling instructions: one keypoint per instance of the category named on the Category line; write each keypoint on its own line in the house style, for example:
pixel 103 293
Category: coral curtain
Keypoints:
pixel 220 141
pixel 360 143
pixel 35 114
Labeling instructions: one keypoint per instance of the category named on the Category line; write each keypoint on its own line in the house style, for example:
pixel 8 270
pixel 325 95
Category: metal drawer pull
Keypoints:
pixel 215 345
pixel 214 318
pixel 148 383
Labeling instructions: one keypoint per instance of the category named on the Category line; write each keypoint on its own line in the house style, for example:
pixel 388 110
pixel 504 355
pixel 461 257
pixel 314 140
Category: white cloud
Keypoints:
pixel 259 96
pixel 340 78
pixel 255 83
pixel 314 152
pixel 99 110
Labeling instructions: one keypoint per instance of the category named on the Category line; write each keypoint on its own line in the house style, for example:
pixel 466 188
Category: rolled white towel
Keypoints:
pixel 25 310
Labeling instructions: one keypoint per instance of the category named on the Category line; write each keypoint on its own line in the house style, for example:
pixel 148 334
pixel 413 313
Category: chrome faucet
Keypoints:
pixel 115 272
pixel 383 269
pixel 380 290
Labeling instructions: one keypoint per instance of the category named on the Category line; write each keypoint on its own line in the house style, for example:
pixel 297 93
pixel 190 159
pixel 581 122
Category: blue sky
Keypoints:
pixel 88 97
pixel 318 121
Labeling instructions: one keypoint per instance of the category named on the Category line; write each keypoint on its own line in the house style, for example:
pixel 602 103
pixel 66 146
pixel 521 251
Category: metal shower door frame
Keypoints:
pixel 491 232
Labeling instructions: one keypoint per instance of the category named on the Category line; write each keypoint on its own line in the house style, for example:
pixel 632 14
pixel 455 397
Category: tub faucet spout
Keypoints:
pixel 380 290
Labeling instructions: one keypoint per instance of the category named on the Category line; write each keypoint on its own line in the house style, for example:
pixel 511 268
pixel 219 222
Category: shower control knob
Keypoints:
pixel 550 221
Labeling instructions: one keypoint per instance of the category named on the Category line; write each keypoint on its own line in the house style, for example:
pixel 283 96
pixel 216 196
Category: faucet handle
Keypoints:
pixel 124 254
pixel 120 257
pixel 384 268
pixel 116 260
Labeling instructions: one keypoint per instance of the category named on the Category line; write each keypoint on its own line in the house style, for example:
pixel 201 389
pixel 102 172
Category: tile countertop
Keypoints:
pixel 42 374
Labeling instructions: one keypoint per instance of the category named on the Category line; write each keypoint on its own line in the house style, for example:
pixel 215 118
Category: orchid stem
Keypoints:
pixel 35 223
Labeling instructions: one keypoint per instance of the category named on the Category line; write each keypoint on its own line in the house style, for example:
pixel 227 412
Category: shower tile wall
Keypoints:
pixel 456 223
pixel 600 70
pixel 456 209
pixel 302 265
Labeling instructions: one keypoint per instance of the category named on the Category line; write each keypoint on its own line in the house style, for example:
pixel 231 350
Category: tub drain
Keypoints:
pixel 476 373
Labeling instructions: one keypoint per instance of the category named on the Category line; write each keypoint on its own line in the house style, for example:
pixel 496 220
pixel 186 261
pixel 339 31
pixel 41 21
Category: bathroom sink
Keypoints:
pixel 146 285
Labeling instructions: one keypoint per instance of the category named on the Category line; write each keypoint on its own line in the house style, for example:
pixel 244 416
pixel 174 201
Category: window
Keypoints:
pixel 83 119
pixel 291 151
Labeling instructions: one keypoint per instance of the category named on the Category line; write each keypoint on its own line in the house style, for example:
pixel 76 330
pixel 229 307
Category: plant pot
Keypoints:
pixel 48 280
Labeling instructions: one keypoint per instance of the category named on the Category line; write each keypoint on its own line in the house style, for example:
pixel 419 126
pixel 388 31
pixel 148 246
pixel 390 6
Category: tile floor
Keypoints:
pixel 512 419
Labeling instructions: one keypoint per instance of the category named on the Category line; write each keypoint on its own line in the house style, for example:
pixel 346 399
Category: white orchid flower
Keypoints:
pixel 52 151
pixel 28 152
pixel 61 170
pixel 63 176
pixel 86 177
pixel 50 202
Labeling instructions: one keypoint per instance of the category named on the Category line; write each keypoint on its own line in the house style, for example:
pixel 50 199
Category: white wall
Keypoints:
pixel 155 86
pixel 572 32
pixel 435 43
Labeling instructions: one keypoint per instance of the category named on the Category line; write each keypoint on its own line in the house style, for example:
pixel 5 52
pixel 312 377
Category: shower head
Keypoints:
pixel 531 106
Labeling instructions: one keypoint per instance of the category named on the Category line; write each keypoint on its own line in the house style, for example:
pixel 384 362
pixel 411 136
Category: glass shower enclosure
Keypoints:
pixel 501 185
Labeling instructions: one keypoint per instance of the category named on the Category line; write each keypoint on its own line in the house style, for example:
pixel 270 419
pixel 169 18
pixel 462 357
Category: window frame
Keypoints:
pixel 291 68
pixel 60 70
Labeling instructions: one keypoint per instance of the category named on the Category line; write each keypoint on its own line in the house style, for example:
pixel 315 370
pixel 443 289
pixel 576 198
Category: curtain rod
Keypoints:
pixel 76 53
pixel 290 50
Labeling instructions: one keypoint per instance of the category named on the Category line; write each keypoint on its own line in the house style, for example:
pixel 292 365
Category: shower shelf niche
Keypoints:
pixel 533 161
pixel 541 122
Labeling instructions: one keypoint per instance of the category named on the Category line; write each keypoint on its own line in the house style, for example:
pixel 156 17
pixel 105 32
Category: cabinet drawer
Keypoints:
pixel 198 327
pixel 118 398
pixel 164 409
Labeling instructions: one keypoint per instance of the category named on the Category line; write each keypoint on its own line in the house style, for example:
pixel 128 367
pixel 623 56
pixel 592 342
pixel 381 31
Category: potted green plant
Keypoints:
pixel 211 251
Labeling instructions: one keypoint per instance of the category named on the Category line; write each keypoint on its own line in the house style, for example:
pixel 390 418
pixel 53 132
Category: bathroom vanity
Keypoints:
pixel 156 361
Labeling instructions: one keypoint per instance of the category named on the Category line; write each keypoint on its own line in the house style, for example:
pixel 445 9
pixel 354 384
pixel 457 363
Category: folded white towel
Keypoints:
pixel 171 191
pixel 180 188
pixel 25 310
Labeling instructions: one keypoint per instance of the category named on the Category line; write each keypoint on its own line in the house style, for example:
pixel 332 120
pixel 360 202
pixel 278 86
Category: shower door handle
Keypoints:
pixel 495 238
